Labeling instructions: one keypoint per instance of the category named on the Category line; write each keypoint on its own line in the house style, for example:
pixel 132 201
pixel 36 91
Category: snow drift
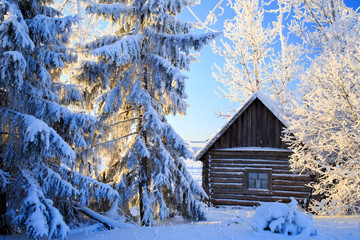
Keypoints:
pixel 283 219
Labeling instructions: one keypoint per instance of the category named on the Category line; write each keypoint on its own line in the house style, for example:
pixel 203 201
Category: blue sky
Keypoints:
pixel 200 122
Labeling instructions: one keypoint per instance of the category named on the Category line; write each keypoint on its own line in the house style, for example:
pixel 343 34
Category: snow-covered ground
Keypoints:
pixel 223 223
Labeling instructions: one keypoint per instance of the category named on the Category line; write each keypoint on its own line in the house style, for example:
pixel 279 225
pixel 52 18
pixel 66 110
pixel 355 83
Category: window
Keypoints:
pixel 258 179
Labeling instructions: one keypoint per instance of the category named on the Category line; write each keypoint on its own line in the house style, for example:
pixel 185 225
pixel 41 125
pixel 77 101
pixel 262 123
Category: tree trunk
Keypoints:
pixel 143 190
pixel 4 227
pixel 141 202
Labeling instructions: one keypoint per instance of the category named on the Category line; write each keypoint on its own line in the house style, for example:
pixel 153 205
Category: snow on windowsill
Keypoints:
pixel 259 190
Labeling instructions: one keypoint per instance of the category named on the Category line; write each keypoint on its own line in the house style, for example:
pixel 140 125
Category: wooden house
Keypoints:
pixel 246 162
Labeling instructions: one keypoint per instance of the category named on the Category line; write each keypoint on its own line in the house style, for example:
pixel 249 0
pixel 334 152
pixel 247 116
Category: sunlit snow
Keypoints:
pixel 223 223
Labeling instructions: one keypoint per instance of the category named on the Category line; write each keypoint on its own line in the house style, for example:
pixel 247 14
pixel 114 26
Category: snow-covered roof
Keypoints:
pixel 272 105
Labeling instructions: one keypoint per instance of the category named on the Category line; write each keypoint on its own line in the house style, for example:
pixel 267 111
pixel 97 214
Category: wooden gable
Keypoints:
pixel 258 122
pixel 257 126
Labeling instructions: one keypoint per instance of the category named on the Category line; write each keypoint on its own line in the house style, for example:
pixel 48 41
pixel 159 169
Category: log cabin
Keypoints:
pixel 246 162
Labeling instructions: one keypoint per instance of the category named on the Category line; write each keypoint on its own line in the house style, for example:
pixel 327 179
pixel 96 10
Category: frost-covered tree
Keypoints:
pixel 39 135
pixel 137 81
pixel 313 21
pixel 324 128
pixel 256 51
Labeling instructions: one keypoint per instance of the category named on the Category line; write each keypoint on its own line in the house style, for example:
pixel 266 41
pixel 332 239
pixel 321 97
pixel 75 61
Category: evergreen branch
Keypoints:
pixel 10 133
pixel 87 186
pixel 115 140
pixel 104 116
pixel 107 221
pixel 124 121
pixel 107 142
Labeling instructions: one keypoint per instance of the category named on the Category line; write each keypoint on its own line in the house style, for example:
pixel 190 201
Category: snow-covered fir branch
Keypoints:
pixel 33 132
pixel 37 213
pixel 123 51
pixel 37 129
pixel 88 188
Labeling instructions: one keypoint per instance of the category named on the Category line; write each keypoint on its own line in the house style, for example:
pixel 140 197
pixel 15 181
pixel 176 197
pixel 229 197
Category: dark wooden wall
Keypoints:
pixel 226 178
pixel 257 126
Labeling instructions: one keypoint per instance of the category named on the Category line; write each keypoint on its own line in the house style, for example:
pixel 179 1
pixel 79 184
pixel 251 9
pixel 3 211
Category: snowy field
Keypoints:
pixel 223 223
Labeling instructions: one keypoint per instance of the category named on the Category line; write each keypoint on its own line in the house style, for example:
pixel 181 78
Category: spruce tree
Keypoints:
pixel 39 135
pixel 139 72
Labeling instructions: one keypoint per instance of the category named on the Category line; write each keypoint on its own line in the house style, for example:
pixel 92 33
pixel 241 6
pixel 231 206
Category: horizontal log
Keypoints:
pixel 234 202
pixel 291 177
pixel 291 191
pixel 285 152
pixel 250 155
pixel 226 175
pixel 289 182
pixel 280 171
pixel 291 188
pixel 253 197
pixel 227 185
pixel 237 162
pixel 276 175
pixel 291 194
pixel 236 172
pixel 227 180
pixel 250 203
pixel 263 157
pixel 243 167
pixel 239 192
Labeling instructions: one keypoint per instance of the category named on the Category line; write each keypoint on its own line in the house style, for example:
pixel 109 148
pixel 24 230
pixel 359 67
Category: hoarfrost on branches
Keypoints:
pixel 326 131
pixel 323 132
pixel 251 62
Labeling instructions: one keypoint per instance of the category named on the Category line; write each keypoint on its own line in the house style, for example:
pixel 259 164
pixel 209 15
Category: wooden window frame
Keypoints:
pixel 257 170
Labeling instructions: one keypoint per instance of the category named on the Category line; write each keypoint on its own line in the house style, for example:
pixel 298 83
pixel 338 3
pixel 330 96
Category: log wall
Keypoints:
pixel 226 178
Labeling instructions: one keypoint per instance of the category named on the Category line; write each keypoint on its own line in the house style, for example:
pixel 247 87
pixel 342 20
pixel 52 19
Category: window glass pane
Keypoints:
pixel 258 180
pixel 264 184
pixel 263 176
pixel 251 183
pixel 258 183
pixel 253 175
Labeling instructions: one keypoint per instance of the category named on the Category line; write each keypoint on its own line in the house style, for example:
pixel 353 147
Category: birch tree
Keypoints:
pixel 325 122
pixel 251 61
pixel 326 131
